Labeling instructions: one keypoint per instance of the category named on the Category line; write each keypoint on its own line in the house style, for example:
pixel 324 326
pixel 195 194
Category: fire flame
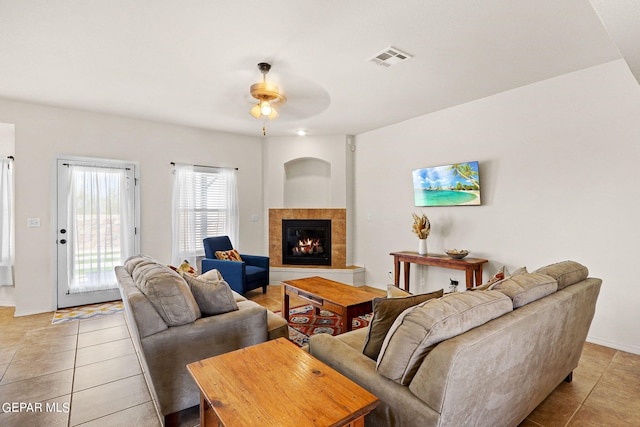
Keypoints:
pixel 308 246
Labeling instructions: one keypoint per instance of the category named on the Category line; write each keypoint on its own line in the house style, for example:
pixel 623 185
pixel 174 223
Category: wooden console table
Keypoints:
pixel 471 266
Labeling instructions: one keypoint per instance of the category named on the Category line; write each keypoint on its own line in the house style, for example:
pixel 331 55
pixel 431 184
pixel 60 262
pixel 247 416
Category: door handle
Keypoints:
pixel 63 231
pixel 63 241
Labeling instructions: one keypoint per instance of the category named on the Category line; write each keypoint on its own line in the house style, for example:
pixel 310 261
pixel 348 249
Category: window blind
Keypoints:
pixel 205 208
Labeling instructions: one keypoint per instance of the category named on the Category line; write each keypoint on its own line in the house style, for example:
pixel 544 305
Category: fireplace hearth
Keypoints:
pixel 306 241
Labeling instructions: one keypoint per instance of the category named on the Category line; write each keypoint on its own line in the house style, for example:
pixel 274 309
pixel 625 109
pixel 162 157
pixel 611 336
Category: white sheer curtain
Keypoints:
pixel 98 224
pixel 205 204
pixel 183 234
pixel 6 222
pixel 232 226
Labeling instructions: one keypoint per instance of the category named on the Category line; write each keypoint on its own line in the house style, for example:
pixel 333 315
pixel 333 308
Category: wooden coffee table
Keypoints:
pixel 345 300
pixel 277 384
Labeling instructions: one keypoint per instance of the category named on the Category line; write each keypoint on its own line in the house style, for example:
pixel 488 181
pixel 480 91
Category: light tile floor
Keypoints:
pixel 75 373
pixel 90 366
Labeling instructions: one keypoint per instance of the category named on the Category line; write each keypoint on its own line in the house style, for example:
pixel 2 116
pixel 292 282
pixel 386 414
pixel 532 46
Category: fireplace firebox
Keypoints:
pixel 306 241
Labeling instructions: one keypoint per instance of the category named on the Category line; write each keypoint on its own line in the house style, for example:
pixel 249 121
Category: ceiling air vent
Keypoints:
pixel 390 56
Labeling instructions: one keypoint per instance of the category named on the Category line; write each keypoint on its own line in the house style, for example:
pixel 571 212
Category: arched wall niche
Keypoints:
pixel 307 183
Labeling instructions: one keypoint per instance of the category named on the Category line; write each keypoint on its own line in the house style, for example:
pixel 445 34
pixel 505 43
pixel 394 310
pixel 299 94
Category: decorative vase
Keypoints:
pixel 422 246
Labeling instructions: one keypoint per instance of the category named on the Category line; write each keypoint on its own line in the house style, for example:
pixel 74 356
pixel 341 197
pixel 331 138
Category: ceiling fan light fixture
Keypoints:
pixel 274 114
pixel 255 111
pixel 265 108
pixel 267 94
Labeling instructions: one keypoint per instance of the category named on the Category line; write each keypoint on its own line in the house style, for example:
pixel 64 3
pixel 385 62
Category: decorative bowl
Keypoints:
pixel 457 254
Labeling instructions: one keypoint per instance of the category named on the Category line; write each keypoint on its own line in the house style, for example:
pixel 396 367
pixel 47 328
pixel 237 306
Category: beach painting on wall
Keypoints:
pixel 449 185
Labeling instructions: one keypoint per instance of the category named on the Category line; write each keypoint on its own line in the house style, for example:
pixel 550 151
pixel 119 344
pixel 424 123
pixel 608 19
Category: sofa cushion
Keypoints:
pixel 277 327
pixel 230 255
pixel 526 288
pixel 385 312
pixel 132 262
pixel 419 329
pixel 168 292
pixel 143 318
pixel 566 273
pixel 213 296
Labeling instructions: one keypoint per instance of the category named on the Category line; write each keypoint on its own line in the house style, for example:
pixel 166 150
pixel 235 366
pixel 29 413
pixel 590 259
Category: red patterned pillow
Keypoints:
pixel 185 268
pixel 231 255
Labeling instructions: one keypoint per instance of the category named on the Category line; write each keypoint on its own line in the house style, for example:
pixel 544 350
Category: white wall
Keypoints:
pixel 7 148
pixel 335 150
pixel 307 183
pixel 42 133
pixel 558 169
pixel 281 150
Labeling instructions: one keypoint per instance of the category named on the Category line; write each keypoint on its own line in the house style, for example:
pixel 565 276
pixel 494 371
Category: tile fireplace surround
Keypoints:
pixel 338 219
pixel 338 270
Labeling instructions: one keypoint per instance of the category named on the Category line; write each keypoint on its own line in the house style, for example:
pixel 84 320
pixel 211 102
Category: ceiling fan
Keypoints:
pixel 268 95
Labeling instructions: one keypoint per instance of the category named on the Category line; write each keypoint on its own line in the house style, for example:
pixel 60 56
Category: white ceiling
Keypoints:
pixel 192 62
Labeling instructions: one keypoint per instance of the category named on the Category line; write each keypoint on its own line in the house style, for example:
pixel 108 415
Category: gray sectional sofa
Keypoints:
pixel 481 358
pixel 176 320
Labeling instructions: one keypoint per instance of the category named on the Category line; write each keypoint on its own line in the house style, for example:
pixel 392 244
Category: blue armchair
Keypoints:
pixel 251 273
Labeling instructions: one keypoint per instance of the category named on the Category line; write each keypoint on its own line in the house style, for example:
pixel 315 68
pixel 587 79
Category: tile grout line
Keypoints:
pixel 573 415
pixel 582 403
pixel 110 382
pixel 144 373
pixel 73 379
pixel 22 341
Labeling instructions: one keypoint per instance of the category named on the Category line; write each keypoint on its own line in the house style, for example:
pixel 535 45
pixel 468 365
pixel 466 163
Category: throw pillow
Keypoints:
pixel 385 312
pixel 213 296
pixel 185 268
pixel 230 255
pixel 518 272
pixel 212 274
pixel 526 288
pixel 395 292
pixel 420 328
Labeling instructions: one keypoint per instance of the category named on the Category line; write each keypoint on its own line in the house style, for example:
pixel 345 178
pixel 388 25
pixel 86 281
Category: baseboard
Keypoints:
pixel 614 345
pixel 20 313
pixel 7 302
pixel 7 296
pixel 351 275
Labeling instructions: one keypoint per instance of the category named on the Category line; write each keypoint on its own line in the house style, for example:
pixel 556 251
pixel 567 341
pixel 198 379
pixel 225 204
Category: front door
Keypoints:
pixel 96 228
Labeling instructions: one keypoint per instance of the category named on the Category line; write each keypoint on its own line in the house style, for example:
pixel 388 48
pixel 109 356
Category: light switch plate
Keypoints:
pixel 33 222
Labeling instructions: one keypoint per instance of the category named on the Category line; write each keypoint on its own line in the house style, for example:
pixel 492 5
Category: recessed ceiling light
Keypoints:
pixel 301 132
